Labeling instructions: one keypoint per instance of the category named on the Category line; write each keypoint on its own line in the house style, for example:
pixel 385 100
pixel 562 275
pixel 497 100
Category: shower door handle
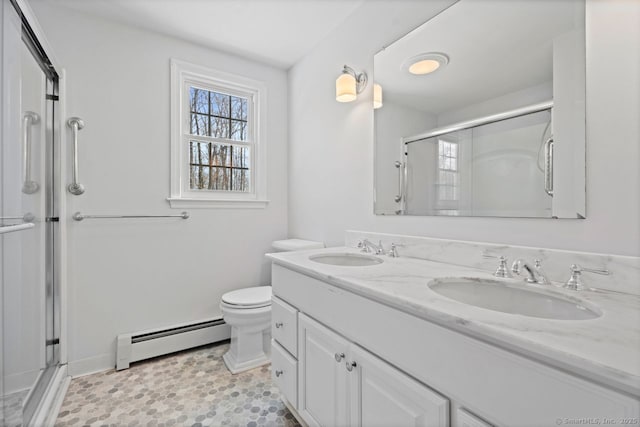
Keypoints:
pixel 548 166
pixel 28 185
pixel 399 196
pixel 75 123
pixel 12 228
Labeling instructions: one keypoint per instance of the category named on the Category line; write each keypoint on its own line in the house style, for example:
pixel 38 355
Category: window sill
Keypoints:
pixel 183 203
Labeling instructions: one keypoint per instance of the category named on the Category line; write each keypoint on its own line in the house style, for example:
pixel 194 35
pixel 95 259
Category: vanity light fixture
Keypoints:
pixel 377 96
pixel 425 63
pixel 349 84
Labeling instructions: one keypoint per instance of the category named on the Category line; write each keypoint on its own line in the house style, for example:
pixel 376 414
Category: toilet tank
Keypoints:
pixel 290 245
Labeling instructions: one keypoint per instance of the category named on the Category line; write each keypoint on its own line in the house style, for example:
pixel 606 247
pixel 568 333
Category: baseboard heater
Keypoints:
pixel 157 342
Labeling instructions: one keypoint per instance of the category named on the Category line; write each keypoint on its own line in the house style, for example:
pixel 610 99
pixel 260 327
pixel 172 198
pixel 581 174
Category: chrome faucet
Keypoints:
pixel 535 274
pixel 367 246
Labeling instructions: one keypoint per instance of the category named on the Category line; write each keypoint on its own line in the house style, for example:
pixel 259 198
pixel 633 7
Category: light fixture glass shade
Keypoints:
pixel 425 66
pixel 346 88
pixel 425 63
pixel 377 96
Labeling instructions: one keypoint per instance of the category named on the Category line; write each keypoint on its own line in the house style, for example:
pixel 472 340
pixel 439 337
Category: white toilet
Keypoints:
pixel 248 312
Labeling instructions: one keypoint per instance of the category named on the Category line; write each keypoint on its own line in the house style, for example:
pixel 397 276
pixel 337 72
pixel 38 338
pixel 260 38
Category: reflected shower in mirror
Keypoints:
pixel 490 128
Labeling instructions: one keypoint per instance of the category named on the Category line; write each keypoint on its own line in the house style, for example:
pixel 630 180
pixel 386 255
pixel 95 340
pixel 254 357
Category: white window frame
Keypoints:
pixel 449 204
pixel 185 75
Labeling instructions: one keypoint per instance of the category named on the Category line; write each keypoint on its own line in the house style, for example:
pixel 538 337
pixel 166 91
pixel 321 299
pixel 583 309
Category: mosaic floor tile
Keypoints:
pixel 12 408
pixel 191 388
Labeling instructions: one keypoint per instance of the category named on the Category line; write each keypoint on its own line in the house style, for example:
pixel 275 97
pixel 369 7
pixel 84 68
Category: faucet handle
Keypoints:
pixel 393 252
pixel 574 283
pixel 502 270
pixel 363 247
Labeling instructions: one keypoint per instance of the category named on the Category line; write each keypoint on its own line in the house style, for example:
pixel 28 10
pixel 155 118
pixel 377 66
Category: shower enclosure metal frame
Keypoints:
pixel 50 386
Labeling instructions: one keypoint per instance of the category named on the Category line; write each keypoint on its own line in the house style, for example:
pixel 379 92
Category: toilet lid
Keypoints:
pixel 249 297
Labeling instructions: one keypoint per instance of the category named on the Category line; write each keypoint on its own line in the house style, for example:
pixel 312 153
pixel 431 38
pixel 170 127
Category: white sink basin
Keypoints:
pixel 513 298
pixel 346 260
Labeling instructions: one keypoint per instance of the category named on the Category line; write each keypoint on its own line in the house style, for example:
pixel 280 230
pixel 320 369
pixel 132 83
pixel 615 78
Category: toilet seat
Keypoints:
pixel 255 297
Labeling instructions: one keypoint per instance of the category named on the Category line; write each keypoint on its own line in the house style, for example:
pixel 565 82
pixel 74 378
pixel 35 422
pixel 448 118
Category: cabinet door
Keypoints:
pixel 467 419
pixel 322 379
pixel 381 396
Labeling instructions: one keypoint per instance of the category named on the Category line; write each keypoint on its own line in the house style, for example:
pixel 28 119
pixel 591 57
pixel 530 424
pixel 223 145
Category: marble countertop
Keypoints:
pixel 605 349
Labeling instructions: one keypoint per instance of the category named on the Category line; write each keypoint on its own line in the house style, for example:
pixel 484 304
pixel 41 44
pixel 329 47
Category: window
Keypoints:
pixel 447 171
pixel 218 151
pixel 216 164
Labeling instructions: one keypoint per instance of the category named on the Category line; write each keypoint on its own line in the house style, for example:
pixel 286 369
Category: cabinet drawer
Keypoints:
pixel 284 325
pixel 284 371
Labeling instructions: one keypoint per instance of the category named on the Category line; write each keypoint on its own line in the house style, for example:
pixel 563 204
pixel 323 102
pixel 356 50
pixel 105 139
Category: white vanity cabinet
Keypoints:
pixel 412 372
pixel 341 384
pixel 284 370
pixel 284 325
pixel 284 350
pixel 322 377
pixel 383 396
pixel 465 419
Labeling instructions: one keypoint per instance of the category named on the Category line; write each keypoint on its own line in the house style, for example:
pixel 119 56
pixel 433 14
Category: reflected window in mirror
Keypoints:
pixel 448 185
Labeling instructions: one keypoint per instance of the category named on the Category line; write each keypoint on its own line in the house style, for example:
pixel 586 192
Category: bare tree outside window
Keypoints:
pixel 222 166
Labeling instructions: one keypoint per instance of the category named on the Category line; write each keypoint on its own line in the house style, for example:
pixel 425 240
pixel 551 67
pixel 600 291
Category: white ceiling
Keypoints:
pixel 495 47
pixel 277 32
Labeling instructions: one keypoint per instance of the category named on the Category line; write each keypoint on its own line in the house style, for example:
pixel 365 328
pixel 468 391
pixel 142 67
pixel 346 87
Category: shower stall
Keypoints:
pixel 29 226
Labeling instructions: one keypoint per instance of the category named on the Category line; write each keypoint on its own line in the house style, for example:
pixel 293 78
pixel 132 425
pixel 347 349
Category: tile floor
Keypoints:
pixel 12 408
pixel 191 388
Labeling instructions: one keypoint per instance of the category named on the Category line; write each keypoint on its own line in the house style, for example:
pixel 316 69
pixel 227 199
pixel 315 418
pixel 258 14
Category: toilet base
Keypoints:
pixel 249 329
pixel 236 367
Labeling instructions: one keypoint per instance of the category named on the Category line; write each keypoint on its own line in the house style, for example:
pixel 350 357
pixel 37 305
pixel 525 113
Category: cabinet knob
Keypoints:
pixel 339 357
pixel 350 366
pixel 279 325
pixel 279 372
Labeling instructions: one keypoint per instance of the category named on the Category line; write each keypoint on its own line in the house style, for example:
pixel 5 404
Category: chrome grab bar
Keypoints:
pixel 398 166
pixel 28 217
pixel 4 229
pixel 28 185
pixel 548 166
pixel 79 217
pixel 402 187
pixel 75 123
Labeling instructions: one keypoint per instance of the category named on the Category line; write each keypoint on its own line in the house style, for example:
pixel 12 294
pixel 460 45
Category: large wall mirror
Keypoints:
pixel 483 113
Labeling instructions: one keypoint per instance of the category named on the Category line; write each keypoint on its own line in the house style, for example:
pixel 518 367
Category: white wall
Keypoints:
pixel 331 144
pixel 131 275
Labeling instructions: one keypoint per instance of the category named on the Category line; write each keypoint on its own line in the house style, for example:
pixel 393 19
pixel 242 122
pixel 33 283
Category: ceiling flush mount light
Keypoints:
pixel 425 63
pixel 377 96
pixel 350 84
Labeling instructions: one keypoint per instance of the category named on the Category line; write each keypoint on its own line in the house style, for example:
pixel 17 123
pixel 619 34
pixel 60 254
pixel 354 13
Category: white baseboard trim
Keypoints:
pixel 47 412
pixel 91 365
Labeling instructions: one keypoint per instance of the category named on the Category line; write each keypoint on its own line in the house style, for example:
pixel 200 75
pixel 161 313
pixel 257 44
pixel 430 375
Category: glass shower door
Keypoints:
pixel 30 345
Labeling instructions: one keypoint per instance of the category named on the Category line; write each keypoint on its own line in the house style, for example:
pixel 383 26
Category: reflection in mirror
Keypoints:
pixel 489 128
